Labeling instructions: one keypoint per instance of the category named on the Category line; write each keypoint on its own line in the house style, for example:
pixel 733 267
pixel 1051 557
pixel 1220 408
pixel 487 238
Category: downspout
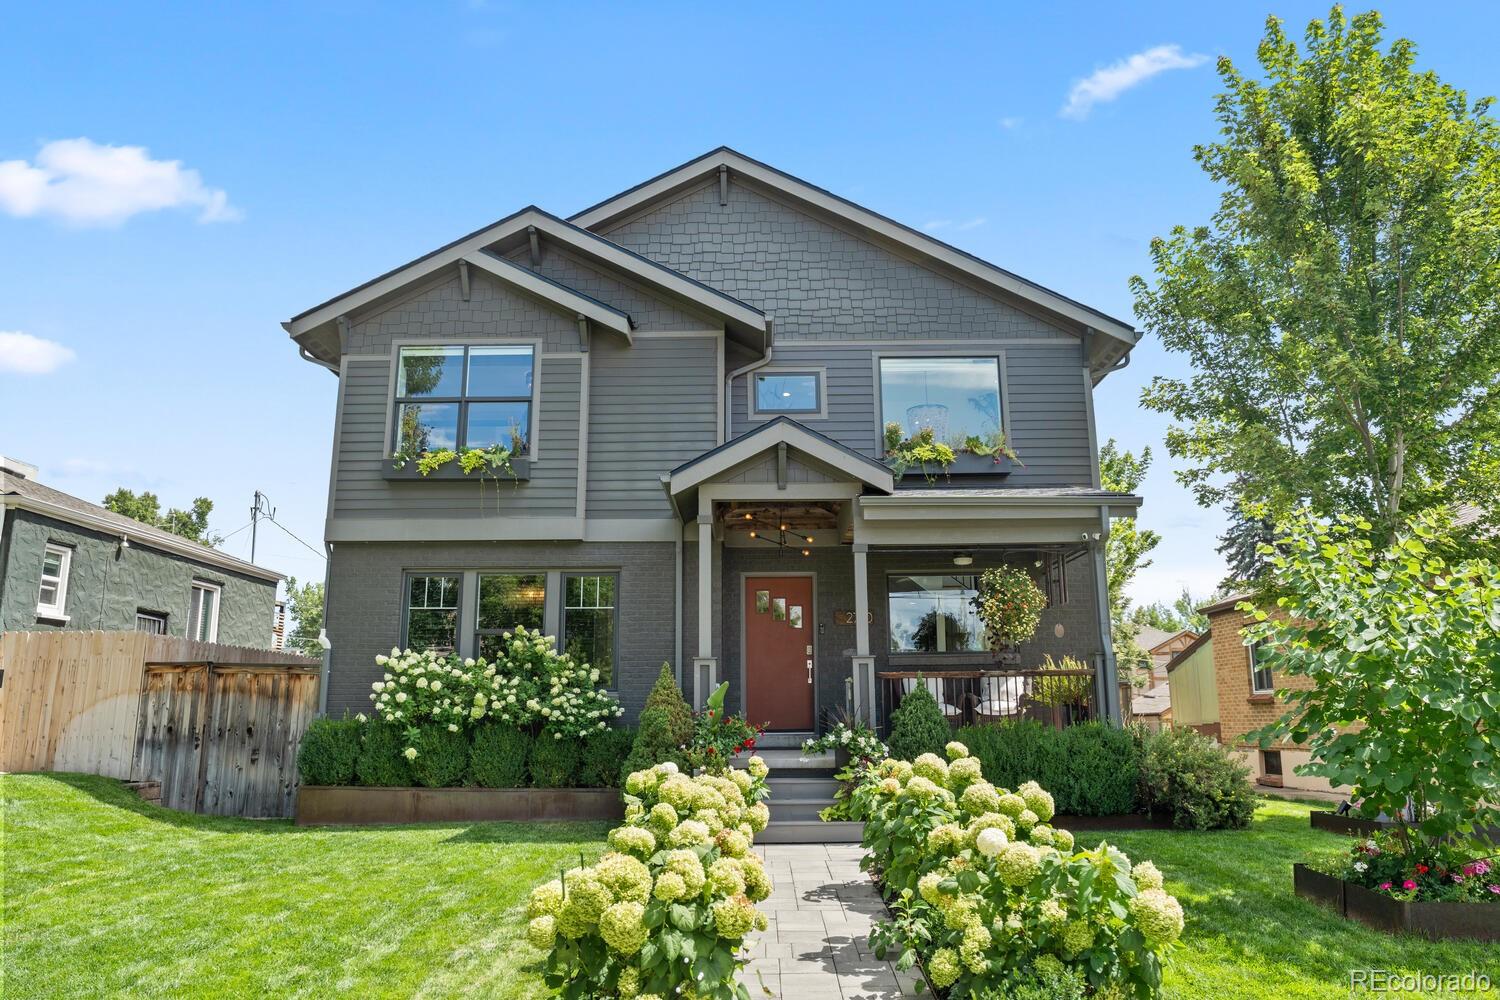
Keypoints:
pixel 323 633
pixel 768 347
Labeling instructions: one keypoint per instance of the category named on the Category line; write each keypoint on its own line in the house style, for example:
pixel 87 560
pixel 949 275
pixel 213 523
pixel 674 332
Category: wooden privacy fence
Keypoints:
pixel 217 726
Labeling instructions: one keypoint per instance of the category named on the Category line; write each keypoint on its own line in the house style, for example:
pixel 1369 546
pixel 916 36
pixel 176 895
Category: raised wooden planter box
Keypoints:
pixel 1474 921
pixel 352 805
pixel 1356 826
pixel 451 471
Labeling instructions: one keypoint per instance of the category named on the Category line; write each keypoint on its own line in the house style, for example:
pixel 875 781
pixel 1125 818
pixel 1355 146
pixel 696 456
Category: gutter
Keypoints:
pixel 768 348
pixel 317 361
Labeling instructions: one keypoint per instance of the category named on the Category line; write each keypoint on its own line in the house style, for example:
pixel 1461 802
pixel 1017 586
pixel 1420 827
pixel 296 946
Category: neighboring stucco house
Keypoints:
pixel 66 563
pixel 696 375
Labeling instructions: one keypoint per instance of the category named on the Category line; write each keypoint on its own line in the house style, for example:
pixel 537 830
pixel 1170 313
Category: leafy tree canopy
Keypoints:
pixel 304 609
pixel 1342 310
pixel 1125 553
pixel 1180 614
pixel 146 508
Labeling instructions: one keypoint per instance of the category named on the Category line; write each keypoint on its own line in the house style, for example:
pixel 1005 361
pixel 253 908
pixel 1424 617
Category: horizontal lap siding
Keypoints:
pixel 362 492
pixel 652 407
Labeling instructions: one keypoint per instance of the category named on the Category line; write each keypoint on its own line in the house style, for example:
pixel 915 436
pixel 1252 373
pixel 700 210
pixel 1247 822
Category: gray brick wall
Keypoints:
pixel 820 281
pixel 364 612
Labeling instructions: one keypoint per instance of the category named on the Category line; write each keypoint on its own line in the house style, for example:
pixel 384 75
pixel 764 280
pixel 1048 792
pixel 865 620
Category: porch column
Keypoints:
pixel 863 666
pixel 1107 676
pixel 705 667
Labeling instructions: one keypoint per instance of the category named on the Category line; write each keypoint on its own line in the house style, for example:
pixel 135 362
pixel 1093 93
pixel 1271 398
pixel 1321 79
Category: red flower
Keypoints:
pixel 1423 869
pixel 710 749
pixel 749 744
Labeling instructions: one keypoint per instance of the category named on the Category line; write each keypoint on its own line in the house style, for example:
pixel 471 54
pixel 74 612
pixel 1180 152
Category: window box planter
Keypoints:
pixel 965 466
pixel 451 471
pixel 357 805
pixel 1472 921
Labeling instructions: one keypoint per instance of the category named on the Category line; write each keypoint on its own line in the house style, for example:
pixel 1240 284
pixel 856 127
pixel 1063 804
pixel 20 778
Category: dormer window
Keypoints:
pixel 464 397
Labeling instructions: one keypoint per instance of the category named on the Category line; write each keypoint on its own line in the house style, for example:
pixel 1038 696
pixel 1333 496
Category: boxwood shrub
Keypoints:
pixel 1091 769
pixel 498 757
pixel 442 757
pixel 602 755
pixel 556 762
pixel 380 757
pixel 329 750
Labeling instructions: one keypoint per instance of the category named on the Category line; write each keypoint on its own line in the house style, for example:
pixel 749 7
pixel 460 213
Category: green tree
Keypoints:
pixel 146 508
pixel 1342 310
pixel 1401 648
pixel 304 612
pixel 1180 614
pixel 1240 545
pixel 1125 552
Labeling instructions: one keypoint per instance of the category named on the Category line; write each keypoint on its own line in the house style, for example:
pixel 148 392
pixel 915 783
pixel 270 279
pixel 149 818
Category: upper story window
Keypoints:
pixel 959 398
pixel 934 614
pixel 464 397
pixel 1261 681
pixel 788 392
pixel 203 612
pixel 52 595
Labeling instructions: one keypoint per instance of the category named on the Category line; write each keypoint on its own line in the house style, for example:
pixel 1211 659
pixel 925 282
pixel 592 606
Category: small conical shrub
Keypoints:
pixel 667 695
pixel 918 726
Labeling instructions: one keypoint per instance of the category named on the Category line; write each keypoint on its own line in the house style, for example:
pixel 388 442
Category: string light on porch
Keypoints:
pixel 780 538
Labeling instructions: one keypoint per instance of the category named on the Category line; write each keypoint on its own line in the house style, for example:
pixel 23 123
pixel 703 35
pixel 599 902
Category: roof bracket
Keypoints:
pixel 344 330
pixel 536 245
pixel 583 333
pixel 781 465
pixel 463 279
pixel 723 184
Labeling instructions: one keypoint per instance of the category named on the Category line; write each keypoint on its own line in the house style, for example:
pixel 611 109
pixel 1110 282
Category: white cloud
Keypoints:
pixel 973 223
pixel 86 184
pixel 933 225
pixel 1111 81
pixel 24 354
pixel 1010 123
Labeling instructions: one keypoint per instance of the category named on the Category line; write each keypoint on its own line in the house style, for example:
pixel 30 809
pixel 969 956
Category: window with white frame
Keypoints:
pixel 203 612
pixel 957 398
pixel 463 397
pixel 1261 681
pixel 151 622
pixel 787 392
pixel 588 622
pixel 52 595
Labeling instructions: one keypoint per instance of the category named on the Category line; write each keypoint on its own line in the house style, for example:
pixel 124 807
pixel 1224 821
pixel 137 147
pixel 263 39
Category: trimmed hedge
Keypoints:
pixel 498 757
pixel 329 751
pixel 442 757
pixel 556 763
pixel 602 755
pixel 1091 769
pixel 380 758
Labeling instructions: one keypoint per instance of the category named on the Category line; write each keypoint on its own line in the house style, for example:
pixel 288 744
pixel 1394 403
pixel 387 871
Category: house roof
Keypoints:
pixel 695 171
pixel 1189 650
pixel 781 430
pixel 1151 701
pixel 315 329
pixel 1227 604
pixel 28 494
pixel 1151 638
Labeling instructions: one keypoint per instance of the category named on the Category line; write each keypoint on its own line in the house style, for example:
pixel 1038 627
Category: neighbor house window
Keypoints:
pixel 506 601
pixel 1261 681
pixel 788 392
pixel 464 397
pixel 203 612
pixel 52 595
pixel 934 614
pixel 588 624
pixel 151 622
pixel 431 612
pixel 958 398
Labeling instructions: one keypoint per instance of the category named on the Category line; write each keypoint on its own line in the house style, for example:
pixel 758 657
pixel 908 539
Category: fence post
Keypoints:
pixel 210 702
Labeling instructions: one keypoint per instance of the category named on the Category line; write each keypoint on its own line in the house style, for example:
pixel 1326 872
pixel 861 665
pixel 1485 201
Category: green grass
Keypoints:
pixel 105 896
pixel 1249 936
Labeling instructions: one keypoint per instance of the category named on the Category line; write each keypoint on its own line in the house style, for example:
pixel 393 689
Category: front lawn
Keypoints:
pixel 1248 936
pixel 106 896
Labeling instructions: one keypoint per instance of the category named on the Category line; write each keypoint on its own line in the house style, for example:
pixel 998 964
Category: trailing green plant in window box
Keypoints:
pixel 491 461
pixel 924 451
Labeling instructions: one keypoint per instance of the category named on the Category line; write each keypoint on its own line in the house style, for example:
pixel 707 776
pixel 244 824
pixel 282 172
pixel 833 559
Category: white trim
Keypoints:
pixel 149 538
pixel 57 610
pixel 213 621
pixel 753 412
pixel 1250 661
pixel 482 528
pixel 519 277
pixel 887 229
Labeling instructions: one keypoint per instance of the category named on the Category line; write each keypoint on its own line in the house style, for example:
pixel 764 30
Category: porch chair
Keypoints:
pixel 934 688
pixel 999 698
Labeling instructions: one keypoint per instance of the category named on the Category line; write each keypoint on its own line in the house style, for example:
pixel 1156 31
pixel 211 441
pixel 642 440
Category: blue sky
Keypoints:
pixel 316 145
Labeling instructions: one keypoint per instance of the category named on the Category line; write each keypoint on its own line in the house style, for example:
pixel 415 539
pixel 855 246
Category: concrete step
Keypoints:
pixel 788 760
pixel 796 810
pixel 805 785
pixel 782 741
pixel 809 832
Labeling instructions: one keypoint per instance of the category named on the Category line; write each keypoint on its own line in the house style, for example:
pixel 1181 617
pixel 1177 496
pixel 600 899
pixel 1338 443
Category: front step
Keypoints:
pixel 784 759
pixel 809 832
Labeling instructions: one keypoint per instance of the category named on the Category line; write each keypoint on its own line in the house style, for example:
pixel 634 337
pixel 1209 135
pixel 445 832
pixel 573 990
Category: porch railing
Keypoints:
pixel 1056 698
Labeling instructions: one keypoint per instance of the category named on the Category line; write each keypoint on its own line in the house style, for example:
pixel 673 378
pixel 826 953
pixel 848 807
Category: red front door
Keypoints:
pixel 779 651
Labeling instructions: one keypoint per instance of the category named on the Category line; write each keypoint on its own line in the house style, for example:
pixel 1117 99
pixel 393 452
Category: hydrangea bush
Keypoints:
pixel 529 685
pixel 662 916
pixel 987 893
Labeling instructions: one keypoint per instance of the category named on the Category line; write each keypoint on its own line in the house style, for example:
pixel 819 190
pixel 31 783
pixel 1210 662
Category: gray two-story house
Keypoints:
pixel 702 382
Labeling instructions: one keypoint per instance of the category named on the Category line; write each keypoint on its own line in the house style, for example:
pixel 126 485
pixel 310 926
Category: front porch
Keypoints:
pixel 817 589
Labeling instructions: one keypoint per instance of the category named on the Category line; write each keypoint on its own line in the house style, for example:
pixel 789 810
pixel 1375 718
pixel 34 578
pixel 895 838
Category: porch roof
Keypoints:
pixel 777 437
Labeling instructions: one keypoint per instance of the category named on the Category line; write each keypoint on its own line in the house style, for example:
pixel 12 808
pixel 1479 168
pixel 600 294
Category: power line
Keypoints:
pixel 294 536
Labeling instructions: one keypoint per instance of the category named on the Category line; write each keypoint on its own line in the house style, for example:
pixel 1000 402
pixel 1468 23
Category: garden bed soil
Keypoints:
pixel 1474 921
pixel 348 805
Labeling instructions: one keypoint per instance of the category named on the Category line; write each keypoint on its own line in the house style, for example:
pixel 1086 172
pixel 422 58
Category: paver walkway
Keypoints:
pixel 817 946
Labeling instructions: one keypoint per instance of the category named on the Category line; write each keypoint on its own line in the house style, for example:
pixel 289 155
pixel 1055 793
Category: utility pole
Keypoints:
pixel 260 507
